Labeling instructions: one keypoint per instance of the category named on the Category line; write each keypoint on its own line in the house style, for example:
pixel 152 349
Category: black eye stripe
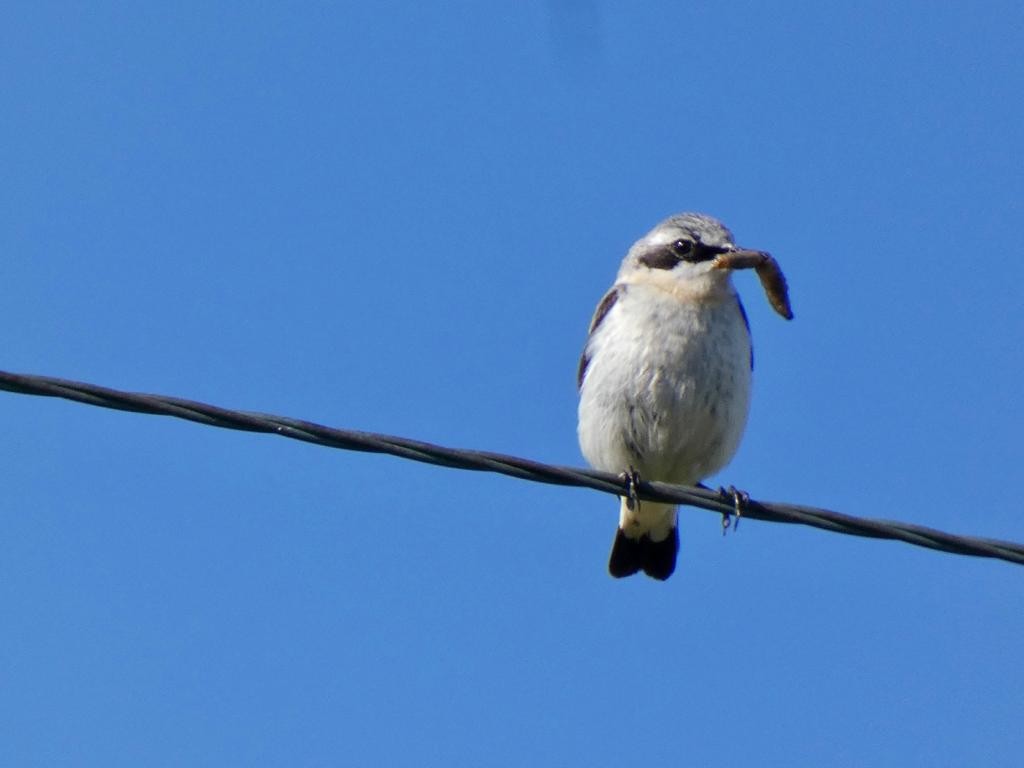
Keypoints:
pixel 704 252
pixel 667 256
pixel 660 258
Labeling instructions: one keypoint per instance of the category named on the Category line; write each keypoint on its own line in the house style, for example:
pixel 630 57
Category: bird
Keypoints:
pixel 665 377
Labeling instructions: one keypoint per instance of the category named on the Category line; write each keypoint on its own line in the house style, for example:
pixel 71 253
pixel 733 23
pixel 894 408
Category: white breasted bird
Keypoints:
pixel 664 379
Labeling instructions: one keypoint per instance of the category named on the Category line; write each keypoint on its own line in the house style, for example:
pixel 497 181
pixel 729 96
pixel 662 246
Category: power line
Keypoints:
pixel 513 466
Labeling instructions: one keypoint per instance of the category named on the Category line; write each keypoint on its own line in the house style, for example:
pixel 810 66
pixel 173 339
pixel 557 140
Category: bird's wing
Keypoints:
pixel 603 308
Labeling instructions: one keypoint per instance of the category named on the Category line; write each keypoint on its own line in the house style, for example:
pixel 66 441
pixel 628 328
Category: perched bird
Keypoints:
pixel 664 379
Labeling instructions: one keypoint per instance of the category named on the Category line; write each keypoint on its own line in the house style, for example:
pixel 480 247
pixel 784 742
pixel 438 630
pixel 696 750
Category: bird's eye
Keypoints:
pixel 682 248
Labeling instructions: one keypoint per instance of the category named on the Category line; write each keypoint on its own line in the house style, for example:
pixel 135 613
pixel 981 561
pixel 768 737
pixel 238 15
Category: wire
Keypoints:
pixel 513 466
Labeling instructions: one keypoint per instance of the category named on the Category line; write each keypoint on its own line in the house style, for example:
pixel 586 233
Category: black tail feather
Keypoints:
pixel 655 558
pixel 626 557
pixel 660 556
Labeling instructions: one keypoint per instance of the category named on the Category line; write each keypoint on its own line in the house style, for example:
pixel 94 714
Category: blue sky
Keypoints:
pixel 398 218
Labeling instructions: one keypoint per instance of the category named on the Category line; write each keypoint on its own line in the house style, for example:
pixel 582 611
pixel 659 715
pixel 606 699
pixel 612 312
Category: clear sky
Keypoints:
pixel 398 217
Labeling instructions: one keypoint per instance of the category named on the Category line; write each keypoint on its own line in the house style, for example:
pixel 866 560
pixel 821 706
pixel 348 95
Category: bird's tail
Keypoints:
pixel 647 540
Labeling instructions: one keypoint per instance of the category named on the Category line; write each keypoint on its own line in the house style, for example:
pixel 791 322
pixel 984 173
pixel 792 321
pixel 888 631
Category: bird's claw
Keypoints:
pixel 631 480
pixel 740 500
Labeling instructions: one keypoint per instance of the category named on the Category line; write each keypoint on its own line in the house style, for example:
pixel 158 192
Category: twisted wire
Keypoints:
pixel 524 469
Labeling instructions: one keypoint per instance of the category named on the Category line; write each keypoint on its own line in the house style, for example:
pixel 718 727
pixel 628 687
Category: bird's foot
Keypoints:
pixel 740 500
pixel 631 480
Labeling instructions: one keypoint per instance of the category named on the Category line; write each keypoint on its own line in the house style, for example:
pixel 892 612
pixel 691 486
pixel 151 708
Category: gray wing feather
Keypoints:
pixel 599 314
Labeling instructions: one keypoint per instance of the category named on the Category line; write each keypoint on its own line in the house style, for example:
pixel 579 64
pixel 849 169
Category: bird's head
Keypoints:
pixel 685 248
